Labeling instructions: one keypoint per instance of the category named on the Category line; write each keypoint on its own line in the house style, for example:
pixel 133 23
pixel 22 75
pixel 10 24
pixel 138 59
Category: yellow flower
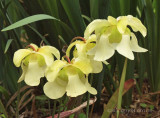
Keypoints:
pixel 80 53
pixel 113 34
pixel 34 61
pixel 70 78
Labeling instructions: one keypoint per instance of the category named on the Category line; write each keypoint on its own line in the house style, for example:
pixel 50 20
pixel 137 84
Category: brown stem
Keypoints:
pixel 31 47
pixel 69 61
pixel 78 37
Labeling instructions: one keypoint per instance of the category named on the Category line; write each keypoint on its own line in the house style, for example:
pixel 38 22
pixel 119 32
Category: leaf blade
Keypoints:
pixel 7 45
pixel 28 20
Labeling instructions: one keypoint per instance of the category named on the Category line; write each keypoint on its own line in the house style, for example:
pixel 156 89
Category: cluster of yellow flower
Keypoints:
pixel 101 39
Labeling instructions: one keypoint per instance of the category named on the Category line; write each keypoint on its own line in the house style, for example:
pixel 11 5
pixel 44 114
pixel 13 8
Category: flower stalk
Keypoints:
pixel 54 109
pixel 69 61
pixel 123 76
pixel 88 98
pixel 78 37
pixel 30 46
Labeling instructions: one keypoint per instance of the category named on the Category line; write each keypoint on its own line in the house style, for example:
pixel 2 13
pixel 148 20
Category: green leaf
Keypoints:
pixel 8 44
pixel 94 8
pixel 72 9
pixel 87 18
pixel 3 109
pixel 28 20
pixel 41 98
pixel 113 100
pixel 125 7
pixel 82 115
pixel 43 38
pixel 151 107
pixel 143 105
pixel 4 92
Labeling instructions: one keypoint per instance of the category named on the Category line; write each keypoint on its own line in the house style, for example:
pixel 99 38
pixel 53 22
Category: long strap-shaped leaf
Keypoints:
pixel 29 20
pixel 113 100
pixel 3 109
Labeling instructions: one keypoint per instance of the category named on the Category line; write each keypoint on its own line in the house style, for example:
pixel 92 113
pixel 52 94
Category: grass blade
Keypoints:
pixel 28 20
pixel 8 44
pixel 43 38
pixel 94 9
pixel 72 9
pixel 3 109
pixel 4 92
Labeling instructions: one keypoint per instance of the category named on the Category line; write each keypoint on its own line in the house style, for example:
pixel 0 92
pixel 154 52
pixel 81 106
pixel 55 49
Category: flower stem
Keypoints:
pixel 88 98
pixel 30 46
pixel 78 37
pixel 54 109
pixel 69 61
pixel 123 76
pixel 18 99
pixel 59 110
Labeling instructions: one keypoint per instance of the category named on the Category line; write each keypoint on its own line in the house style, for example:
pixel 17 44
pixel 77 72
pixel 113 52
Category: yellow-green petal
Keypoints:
pixel 124 47
pixel 19 56
pixel 91 38
pixel 71 46
pixel 115 36
pixel 34 73
pixel 112 20
pixel 75 86
pixel 52 71
pixel 81 50
pixel 96 24
pixel 55 89
pixel 122 24
pixel 96 66
pixel 92 51
pixel 89 88
pixel 48 57
pixel 134 44
pixel 24 70
pixel 136 25
pixel 52 50
pixel 84 65
pixel 104 50
pixel 91 42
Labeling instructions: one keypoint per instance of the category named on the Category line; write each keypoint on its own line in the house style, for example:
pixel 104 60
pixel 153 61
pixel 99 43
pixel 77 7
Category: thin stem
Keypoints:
pixel 31 47
pixel 123 76
pixel 59 110
pixel 138 89
pixel 88 98
pixel 69 61
pixel 54 109
pixel 49 106
pixel 78 37
pixel 90 115
pixel 18 99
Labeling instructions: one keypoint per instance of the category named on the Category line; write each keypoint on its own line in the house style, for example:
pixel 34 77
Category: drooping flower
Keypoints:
pixel 34 61
pixel 70 78
pixel 113 34
pixel 80 52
